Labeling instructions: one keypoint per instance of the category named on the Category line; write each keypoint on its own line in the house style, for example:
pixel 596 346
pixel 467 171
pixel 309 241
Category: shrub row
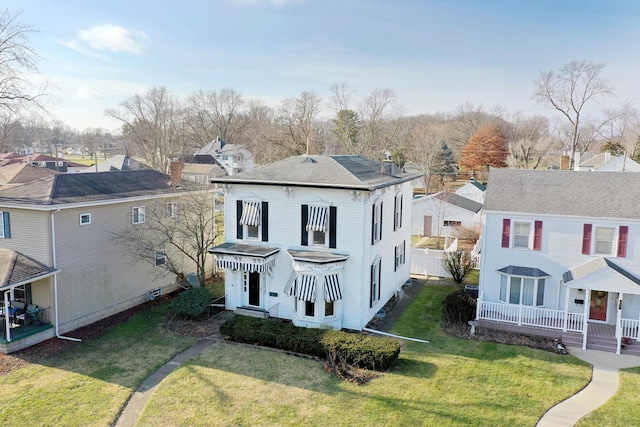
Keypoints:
pixel 459 307
pixel 363 351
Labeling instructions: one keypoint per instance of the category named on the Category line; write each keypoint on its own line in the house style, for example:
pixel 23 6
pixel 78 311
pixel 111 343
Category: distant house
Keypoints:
pixel 441 214
pixel 54 163
pixel 233 158
pixel 472 190
pixel 57 251
pixel 605 162
pixel 118 162
pixel 321 240
pixel 201 173
pixel 561 257
pixel 21 173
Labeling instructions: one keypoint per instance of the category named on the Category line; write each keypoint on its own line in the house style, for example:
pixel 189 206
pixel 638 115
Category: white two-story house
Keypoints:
pixel 320 240
pixel 561 256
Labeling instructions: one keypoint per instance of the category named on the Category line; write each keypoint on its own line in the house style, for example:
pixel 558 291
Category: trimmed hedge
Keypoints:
pixel 363 351
pixel 192 303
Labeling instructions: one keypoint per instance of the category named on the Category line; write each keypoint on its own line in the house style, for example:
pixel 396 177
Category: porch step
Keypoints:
pixel 251 312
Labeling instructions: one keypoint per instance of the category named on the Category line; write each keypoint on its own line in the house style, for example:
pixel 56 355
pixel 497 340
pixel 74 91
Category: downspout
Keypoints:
pixel 7 318
pixel 55 279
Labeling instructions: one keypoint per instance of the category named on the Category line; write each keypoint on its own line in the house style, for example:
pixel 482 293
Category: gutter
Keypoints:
pixel 55 279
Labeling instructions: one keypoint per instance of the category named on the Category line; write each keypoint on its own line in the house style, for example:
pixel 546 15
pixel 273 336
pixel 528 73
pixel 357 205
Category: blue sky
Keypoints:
pixel 435 54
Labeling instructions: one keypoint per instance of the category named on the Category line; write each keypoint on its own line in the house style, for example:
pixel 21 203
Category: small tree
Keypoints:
pixel 458 264
pixel 443 162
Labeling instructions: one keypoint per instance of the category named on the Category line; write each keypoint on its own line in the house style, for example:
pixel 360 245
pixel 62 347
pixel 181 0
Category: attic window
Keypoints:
pixel 85 219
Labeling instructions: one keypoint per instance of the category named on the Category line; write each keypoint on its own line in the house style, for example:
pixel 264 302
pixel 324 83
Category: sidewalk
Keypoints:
pixel 604 384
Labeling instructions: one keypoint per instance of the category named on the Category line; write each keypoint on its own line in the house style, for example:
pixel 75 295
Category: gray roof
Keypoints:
pixel 459 201
pixel 321 171
pixel 244 249
pixel 477 184
pixel 594 266
pixel 86 187
pixel 571 193
pixel 18 268
pixel 514 270
pixel 317 257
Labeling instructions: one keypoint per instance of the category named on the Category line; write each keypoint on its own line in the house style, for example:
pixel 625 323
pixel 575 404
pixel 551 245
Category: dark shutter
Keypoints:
pixel 6 224
pixel 373 223
pixel 537 235
pixel 380 227
pixel 371 288
pixel 265 221
pixel 586 239
pixel 239 227
pixel 395 261
pixel 400 219
pixel 379 276
pixel 506 227
pixel 304 235
pixel 333 217
pixel 622 241
pixel 395 216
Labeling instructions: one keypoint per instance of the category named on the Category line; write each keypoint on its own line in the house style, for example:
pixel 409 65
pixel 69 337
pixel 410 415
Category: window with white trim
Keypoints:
pixel 399 255
pixel 317 225
pixel 160 258
pixel 5 227
pixel 521 234
pixel 251 220
pixel 85 219
pixel 137 215
pixel 375 282
pixel 603 240
pixel 397 212
pixel 452 223
pixel 171 209
pixel 522 290
pixel 376 222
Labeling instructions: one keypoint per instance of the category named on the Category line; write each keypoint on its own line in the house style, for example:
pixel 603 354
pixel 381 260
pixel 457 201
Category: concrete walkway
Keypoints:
pixel 604 384
pixel 131 412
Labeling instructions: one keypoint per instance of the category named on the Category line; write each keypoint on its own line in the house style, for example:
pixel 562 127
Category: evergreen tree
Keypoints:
pixel 443 162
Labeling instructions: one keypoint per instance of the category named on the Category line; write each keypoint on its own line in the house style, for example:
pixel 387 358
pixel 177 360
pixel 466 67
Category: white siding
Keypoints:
pixel 30 234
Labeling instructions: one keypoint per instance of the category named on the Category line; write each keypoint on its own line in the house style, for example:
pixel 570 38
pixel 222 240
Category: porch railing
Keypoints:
pixel 523 315
pixel 630 328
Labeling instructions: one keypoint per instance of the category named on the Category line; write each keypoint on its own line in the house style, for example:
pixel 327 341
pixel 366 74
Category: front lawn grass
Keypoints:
pixel 88 383
pixel 448 382
pixel 622 409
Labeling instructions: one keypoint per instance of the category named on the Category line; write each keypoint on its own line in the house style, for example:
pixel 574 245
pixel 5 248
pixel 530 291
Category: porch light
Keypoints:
pixel 619 304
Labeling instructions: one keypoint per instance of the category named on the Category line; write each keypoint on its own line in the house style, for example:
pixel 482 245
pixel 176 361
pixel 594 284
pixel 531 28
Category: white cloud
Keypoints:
pixel 85 93
pixel 111 37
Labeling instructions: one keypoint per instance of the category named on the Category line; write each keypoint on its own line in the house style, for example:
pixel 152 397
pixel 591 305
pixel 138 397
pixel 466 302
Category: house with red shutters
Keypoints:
pixel 561 257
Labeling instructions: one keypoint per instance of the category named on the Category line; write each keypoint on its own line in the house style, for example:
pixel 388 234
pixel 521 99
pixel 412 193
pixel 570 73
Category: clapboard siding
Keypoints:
pixel 29 234
pixel 353 230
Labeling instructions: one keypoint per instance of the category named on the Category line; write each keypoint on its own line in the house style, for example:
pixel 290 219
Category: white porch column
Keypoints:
pixel 566 309
pixel 7 318
pixel 585 325
pixel 619 324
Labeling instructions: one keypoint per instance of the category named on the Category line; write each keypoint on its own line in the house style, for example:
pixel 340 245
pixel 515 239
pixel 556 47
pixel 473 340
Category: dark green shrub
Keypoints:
pixel 192 303
pixel 363 351
pixel 459 307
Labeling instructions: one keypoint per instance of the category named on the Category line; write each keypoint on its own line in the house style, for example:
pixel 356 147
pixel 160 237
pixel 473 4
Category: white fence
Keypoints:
pixel 428 262
pixel 523 315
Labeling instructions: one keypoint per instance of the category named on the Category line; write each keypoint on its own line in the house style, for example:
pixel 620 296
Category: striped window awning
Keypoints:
pixel 317 220
pixel 289 288
pixel 304 287
pixel 332 288
pixel 257 265
pixel 250 213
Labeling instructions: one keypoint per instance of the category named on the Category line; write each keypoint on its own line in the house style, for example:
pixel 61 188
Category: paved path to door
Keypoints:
pixel 604 384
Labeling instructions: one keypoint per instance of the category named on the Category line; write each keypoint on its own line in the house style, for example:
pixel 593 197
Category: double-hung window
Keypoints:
pixel 374 295
pixel 318 226
pixel 397 212
pixel 5 227
pixel 603 244
pixel 137 215
pixel 605 240
pixel 252 220
pixel 399 255
pixel 521 233
pixel 171 209
pixel 376 222
pixel 160 258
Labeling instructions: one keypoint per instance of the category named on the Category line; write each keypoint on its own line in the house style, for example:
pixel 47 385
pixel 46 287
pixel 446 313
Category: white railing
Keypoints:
pixel 630 328
pixel 523 315
pixel 475 255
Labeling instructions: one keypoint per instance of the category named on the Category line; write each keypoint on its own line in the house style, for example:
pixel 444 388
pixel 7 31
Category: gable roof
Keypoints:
pixel 321 171
pixel 21 173
pixel 119 162
pixel 16 268
pixel 459 201
pixel 76 188
pixel 571 193
pixel 604 275
pixel 477 184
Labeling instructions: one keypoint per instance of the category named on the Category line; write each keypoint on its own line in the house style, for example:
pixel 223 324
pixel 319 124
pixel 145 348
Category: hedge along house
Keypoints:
pixel 57 252
pixel 561 252
pixel 320 240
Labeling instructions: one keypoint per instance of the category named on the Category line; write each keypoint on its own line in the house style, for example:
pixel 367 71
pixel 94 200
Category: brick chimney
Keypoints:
pixel 565 162
pixel 175 172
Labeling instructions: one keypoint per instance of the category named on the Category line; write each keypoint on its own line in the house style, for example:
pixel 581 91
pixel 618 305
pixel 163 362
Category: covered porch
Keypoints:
pixel 608 295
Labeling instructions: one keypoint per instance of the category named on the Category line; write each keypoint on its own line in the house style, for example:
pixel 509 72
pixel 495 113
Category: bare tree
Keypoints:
pixel 216 114
pixel 372 114
pixel 569 90
pixel 467 119
pixel 183 228
pixel 153 125
pixel 296 119
pixel 18 62
pixel 530 141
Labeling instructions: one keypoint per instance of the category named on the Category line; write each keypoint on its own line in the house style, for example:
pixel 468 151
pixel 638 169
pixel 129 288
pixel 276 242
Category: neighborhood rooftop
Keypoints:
pixel 321 171
pixel 76 188
pixel 571 193
pixel 459 201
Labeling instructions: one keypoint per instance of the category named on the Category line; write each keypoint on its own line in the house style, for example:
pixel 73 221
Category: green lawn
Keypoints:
pixel 448 382
pixel 87 384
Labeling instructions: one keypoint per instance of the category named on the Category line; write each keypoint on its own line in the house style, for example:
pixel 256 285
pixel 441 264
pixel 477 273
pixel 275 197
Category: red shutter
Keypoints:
pixel 586 239
pixel 537 235
pixel 506 226
pixel 622 241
